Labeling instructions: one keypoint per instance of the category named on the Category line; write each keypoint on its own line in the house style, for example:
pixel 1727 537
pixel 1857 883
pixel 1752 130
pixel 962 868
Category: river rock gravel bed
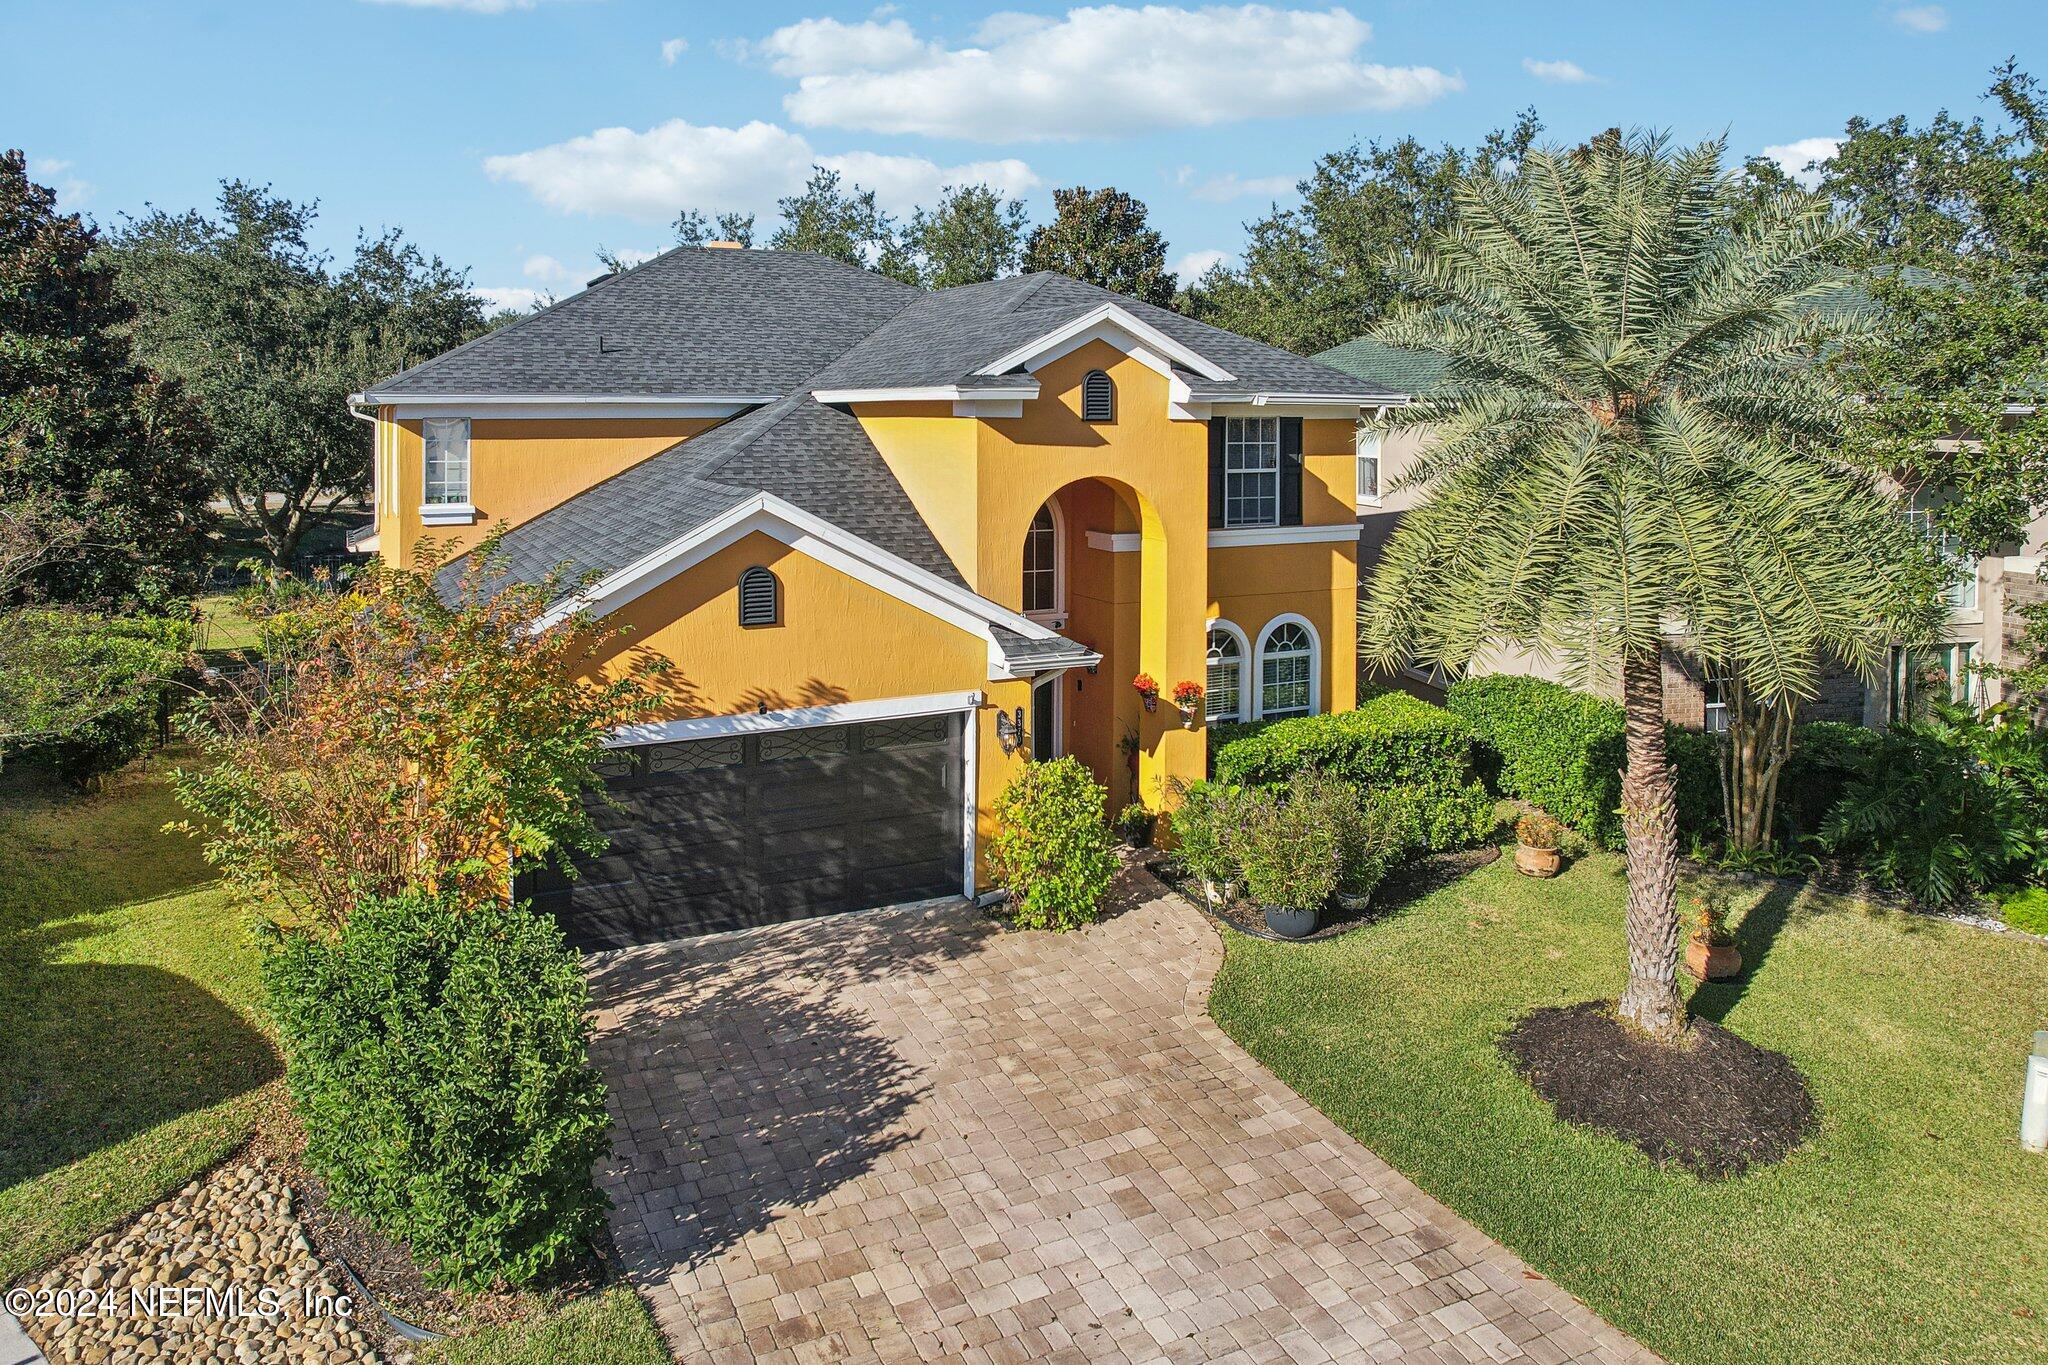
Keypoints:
pixel 222 1271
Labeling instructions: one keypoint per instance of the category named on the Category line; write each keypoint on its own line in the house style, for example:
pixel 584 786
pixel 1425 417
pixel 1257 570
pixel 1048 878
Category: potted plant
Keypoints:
pixel 1201 816
pixel 1381 832
pixel 1537 837
pixel 1291 851
pixel 1134 825
pixel 1148 690
pixel 1188 697
pixel 1711 954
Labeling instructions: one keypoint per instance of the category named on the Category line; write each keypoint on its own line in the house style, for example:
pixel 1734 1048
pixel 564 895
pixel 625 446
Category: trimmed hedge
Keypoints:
pixel 437 1053
pixel 1395 747
pixel 1554 747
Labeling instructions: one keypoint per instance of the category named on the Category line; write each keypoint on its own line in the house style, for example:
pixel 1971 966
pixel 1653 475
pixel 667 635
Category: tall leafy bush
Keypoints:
pixel 436 1048
pixel 1948 806
pixel 1555 747
pixel 1394 746
pixel 100 690
pixel 1052 847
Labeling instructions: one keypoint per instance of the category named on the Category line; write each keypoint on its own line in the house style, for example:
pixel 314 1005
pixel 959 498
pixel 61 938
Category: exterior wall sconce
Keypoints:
pixel 1010 732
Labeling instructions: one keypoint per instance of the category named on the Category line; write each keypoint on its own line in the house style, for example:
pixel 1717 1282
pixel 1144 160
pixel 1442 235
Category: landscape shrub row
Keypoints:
pixel 1397 748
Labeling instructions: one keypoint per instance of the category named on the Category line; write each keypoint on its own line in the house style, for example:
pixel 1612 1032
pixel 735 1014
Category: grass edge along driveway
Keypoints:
pixel 1909 1229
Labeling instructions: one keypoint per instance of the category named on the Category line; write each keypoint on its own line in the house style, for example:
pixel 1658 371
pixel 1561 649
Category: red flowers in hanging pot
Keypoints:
pixel 1188 697
pixel 1148 690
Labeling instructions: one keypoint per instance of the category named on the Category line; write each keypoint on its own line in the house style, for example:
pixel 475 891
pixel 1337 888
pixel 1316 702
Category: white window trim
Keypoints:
pixel 1059 564
pixel 1130 542
pixel 447 514
pixel 1245 667
pixel 1276 473
pixel 1315 663
pixel 1378 442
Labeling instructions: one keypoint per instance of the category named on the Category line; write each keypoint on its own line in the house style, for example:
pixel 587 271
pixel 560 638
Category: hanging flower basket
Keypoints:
pixel 1188 697
pixel 1148 690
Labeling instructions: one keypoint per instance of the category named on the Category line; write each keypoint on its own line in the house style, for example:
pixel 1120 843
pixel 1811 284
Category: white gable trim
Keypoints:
pixel 820 540
pixel 793 718
pixel 930 393
pixel 1117 326
pixel 539 406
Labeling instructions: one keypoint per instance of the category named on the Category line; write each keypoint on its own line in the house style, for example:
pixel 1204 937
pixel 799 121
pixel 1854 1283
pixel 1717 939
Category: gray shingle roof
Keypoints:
pixel 696 320
pixel 1411 372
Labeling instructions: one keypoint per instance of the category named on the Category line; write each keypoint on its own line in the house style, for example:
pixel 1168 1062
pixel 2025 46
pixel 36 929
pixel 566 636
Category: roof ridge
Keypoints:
pixel 789 403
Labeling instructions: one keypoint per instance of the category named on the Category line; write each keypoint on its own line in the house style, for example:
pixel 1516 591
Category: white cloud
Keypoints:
pixel 518 298
pixel 1221 189
pixel 1921 18
pixel 1195 264
pixel 672 48
pixel 72 191
pixel 1795 157
pixel 544 268
pixel 651 175
pixel 813 47
pixel 1101 71
pixel 1559 72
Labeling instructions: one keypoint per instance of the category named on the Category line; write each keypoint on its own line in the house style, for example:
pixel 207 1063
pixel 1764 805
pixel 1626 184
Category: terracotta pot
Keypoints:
pixel 1712 961
pixel 1537 862
pixel 1290 923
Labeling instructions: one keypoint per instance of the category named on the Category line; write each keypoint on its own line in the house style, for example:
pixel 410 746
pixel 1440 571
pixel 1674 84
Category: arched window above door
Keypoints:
pixel 1044 554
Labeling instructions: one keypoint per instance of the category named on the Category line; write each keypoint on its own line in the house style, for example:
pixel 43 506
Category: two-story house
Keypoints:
pixel 1984 599
pixel 894 543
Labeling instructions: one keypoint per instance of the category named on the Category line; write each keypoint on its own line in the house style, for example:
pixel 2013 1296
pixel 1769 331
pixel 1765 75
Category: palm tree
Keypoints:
pixel 1633 446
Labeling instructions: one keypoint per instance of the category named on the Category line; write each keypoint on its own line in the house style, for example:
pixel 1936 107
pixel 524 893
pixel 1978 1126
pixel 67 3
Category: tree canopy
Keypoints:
pixel 269 341
pixel 108 455
pixel 1103 236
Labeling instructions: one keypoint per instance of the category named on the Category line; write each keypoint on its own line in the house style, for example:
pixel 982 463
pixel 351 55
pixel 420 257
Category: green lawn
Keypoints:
pixel 1911 1228
pixel 133 1054
pixel 224 628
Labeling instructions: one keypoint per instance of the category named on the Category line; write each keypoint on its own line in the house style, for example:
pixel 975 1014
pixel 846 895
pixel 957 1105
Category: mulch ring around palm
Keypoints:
pixel 1716 1104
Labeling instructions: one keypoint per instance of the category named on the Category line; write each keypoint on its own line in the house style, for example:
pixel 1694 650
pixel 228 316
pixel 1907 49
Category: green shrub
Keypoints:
pixel 105 690
pixel 1949 805
pixel 1393 744
pixel 1824 756
pixel 1290 844
pixel 1384 833
pixel 1552 746
pixel 437 1052
pixel 1052 848
pixel 2027 911
pixel 1696 760
pixel 1202 814
pixel 1134 825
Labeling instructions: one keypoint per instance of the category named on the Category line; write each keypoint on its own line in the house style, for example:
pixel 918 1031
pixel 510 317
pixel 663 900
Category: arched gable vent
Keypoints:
pixel 1098 397
pixel 760 598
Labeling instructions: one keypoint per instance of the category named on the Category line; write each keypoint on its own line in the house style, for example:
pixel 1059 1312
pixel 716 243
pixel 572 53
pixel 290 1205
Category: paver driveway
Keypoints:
pixel 910 1135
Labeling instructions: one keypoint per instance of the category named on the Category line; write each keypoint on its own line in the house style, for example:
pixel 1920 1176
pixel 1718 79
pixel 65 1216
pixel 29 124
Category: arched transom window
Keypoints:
pixel 1224 690
pixel 1042 562
pixel 1287 670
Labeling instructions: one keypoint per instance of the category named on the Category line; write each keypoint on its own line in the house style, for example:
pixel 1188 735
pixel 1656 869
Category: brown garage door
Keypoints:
pixel 723 833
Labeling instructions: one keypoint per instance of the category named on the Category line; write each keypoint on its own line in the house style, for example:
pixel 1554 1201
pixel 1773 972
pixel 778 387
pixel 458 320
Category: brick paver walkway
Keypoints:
pixel 909 1135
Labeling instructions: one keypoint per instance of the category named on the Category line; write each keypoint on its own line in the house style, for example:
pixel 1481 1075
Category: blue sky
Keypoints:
pixel 513 137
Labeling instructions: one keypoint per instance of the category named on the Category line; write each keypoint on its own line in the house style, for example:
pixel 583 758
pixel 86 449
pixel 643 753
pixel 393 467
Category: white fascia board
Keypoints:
pixel 929 393
pixel 565 399
pixel 794 718
pixel 820 540
pixel 1084 328
pixel 989 408
pixel 1233 537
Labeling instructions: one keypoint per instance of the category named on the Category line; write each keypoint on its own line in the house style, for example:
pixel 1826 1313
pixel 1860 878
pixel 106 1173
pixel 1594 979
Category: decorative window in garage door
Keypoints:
pixel 692 754
pixel 615 763
pixel 824 742
pixel 902 734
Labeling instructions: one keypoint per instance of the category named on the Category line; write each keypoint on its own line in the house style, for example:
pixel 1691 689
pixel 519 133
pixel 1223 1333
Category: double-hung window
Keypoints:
pixel 1224 695
pixel 447 462
pixel 1369 467
pixel 1251 471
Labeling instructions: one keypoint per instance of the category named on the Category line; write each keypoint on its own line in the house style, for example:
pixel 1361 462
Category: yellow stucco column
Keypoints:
pixel 1172 647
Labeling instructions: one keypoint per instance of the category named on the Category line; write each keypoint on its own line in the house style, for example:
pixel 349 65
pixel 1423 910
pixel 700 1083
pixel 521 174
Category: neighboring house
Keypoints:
pixel 894 543
pixel 1983 617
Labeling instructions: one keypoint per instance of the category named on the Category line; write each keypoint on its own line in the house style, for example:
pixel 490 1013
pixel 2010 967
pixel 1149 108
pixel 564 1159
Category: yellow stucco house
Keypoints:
pixel 895 543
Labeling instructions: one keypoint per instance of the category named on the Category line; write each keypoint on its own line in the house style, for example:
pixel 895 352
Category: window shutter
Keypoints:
pixel 1290 471
pixel 1216 470
pixel 758 598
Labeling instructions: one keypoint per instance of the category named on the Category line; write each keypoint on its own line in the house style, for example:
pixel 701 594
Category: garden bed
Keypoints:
pixel 1405 884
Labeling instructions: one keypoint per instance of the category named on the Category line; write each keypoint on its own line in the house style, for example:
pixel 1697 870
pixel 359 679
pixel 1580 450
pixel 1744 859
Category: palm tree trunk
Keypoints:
pixel 1649 816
